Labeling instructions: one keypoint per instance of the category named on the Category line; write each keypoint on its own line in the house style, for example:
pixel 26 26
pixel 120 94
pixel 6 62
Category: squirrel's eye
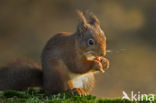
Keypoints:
pixel 91 42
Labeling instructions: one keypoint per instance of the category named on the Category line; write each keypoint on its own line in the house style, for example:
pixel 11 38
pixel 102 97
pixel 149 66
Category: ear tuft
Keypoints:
pixel 82 17
pixel 82 27
pixel 92 18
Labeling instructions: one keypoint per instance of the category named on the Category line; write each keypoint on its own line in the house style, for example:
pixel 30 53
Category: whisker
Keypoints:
pixel 108 51
pixel 116 51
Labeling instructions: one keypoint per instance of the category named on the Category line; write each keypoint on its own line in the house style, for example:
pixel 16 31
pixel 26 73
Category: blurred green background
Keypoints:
pixel 26 25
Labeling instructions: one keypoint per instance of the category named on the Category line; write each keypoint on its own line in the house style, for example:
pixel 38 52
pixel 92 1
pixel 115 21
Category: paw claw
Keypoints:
pixel 78 91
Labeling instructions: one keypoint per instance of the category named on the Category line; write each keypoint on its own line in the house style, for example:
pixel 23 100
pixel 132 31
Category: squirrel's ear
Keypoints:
pixel 82 26
pixel 93 20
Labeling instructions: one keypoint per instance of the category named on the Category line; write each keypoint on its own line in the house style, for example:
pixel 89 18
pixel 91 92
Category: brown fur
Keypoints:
pixel 64 63
pixel 63 56
pixel 20 75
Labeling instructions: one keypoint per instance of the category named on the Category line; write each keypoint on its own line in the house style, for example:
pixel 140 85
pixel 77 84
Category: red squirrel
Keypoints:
pixel 69 62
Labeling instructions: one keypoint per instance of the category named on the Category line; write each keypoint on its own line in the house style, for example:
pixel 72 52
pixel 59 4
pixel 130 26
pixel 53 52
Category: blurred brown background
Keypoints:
pixel 26 25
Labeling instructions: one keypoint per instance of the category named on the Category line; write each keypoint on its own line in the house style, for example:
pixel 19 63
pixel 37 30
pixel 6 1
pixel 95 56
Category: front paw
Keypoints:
pixel 101 64
pixel 77 91
pixel 104 62
pixel 97 66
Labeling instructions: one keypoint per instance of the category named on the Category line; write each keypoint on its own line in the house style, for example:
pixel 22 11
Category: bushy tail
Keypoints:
pixel 20 75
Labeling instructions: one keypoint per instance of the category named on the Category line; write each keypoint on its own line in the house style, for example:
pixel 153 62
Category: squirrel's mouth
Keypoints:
pixel 90 55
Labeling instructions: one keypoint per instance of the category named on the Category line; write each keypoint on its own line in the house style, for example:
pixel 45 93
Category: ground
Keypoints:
pixel 38 96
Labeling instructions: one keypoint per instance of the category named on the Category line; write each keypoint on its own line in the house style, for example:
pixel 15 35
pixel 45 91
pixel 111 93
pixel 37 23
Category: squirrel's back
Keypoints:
pixel 20 75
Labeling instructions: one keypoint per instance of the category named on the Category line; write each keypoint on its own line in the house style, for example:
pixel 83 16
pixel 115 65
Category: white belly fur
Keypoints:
pixel 79 80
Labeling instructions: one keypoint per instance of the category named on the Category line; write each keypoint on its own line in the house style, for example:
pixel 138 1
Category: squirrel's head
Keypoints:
pixel 91 38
